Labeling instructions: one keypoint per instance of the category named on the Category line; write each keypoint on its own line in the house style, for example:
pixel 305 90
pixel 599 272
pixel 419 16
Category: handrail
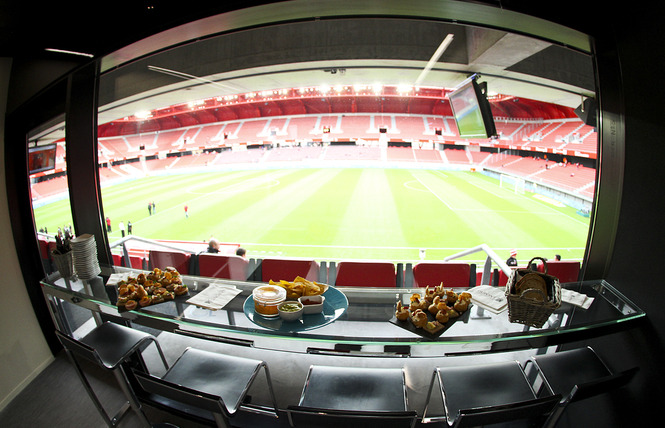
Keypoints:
pixel 487 267
pixel 125 253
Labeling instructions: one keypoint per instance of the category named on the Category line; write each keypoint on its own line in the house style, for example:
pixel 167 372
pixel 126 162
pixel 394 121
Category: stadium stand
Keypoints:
pixel 457 156
pixel 401 154
pixel 427 155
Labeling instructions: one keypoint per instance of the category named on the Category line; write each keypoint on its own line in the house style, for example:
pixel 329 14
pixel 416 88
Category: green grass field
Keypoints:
pixel 340 213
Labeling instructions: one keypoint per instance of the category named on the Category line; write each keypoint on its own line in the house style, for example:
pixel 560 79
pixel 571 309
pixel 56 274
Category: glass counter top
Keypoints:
pixel 364 326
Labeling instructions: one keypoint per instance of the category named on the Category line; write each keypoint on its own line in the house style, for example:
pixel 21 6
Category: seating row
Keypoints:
pixel 344 273
pixel 208 386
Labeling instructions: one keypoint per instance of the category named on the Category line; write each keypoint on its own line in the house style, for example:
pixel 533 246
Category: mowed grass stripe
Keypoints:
pixel 276 214
pixel 370 217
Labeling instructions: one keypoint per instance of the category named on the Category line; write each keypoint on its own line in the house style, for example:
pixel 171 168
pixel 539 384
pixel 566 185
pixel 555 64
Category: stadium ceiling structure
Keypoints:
pixel 527 77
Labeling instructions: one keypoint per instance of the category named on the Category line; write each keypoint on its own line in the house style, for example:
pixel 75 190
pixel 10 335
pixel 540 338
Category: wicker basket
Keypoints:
pixel 527 310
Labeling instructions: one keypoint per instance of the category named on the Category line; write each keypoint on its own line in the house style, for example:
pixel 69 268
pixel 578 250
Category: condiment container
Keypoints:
pixel 312 304
pixel 266 299
pixel 290 310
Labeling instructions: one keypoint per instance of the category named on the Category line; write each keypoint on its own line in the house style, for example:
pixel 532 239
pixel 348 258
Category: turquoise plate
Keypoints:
pixel 334 306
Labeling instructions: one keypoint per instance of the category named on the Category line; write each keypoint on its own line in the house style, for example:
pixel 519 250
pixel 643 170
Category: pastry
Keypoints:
pixel 465 296
pixel 429 294
pixel 417 304
pixel 419 318
pixel 461 305
pixel 442 316
pixel 402 312
pixel 434 307
pixel 433 326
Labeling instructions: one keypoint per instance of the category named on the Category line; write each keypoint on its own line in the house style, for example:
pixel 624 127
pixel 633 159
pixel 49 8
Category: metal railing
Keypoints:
pixel 487 267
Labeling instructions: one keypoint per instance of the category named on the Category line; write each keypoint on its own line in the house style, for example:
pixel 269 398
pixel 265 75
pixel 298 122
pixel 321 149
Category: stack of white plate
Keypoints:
pixel 84 249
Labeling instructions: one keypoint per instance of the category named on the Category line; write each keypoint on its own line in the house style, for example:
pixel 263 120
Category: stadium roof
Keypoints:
pixel 339 50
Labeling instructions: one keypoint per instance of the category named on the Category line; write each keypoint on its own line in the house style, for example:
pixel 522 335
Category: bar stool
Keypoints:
pixel 576 374
pixel 477 395
pixel 353 396
pixel 109 346
pixel 201 383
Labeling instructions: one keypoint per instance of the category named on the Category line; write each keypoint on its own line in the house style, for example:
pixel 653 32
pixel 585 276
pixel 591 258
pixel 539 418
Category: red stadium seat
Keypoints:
pixel 117 260
pixel 162 259
pixel 454 274
pixel 289 269
pixel 137 262
pixel 566 271
pixel 223 266
pixel 44 249
pixel 503 279
pixel 366 274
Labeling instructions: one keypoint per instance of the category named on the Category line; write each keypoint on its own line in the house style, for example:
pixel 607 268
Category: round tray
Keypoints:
pixel 334 306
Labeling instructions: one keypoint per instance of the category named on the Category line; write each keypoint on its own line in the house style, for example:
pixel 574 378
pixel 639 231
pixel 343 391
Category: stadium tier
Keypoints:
pixel 565 135
pixel 181 149
pixel 569 177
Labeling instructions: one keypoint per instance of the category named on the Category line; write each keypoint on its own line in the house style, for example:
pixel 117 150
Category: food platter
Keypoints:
pixel 433 313
pixel 147 289
pixel 334 306
pixel 408 325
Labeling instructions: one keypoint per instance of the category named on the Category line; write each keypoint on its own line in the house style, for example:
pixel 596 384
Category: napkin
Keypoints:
pixel 575 298
pixel 215 296
pixel 115 278
pixel 490 298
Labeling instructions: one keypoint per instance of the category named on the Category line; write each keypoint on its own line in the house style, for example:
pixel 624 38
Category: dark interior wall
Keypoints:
pixel 30 76
pixel 636 267
pixel 634 33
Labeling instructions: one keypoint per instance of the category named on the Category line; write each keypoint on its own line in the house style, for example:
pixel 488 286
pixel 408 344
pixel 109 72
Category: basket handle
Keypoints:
pixel 541 259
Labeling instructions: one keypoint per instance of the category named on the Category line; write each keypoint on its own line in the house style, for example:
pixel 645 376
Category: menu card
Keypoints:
pixel 215 296
pixel 491 298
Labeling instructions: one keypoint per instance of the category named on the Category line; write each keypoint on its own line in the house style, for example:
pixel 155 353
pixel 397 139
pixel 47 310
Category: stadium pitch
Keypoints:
pixel 341 213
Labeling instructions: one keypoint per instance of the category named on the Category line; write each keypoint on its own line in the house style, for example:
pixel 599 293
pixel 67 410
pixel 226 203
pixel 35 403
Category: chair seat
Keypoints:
pixel 226 376
pixel 366 274
pixel 485 385
pixel 451 274
pixel 563 370
pixel 114 343
pixel 108 346
pixel 352 388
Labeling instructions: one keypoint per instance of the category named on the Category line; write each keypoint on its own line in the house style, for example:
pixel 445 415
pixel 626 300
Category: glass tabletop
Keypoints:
pixel 359 317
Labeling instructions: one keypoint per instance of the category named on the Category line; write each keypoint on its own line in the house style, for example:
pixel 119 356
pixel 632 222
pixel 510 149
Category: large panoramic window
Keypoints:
pixel 48 188
pixel 335 140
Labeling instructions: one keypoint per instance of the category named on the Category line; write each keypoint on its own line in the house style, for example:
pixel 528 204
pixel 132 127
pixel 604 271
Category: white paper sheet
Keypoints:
pixel 575 298
pixel 489 297
pixel 215 296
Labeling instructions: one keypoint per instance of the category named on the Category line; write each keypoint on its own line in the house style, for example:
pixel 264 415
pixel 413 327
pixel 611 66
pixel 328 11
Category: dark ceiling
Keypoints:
pixel 97 28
